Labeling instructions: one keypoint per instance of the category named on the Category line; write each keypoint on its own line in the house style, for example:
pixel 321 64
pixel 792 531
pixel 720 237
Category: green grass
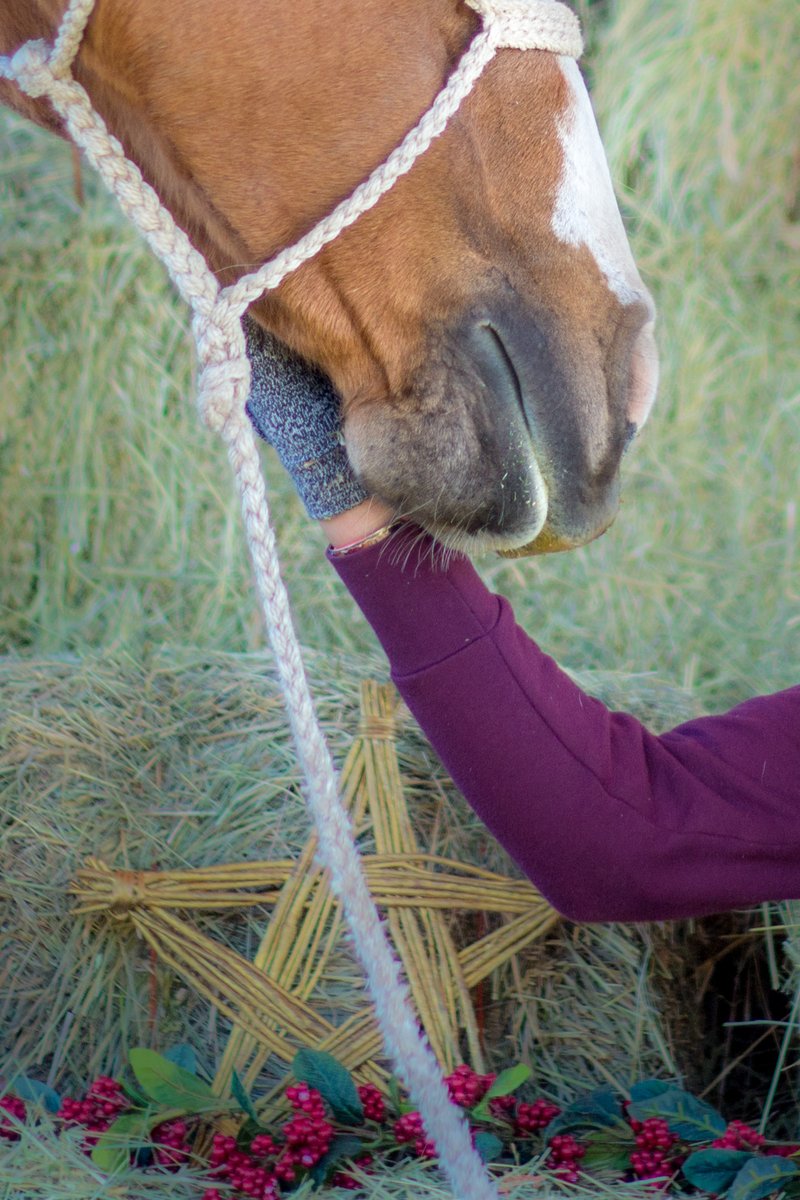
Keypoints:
pixel 699 579
pixel 120 527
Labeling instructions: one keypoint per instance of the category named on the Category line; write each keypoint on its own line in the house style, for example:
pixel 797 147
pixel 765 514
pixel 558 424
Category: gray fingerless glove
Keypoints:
pixel 293 406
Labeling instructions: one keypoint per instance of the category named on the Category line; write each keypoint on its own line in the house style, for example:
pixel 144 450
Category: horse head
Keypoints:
pixel 484 323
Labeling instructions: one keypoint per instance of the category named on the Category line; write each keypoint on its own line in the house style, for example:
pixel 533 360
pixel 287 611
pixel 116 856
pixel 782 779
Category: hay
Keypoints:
pixel 46 1166
pixel 180 766
pixel 179 770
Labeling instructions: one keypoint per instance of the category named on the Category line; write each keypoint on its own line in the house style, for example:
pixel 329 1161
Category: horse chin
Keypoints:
pixel 540 538
pixel 550 542
pixel 513 543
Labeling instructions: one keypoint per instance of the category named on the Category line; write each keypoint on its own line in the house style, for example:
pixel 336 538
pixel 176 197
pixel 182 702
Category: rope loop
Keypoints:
pixel 32 70
pixel 224 382
pixel 222 392
pixel 532 25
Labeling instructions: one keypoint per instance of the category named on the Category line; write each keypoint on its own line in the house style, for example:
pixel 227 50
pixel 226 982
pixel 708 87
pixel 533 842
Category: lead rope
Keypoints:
pixel 222 393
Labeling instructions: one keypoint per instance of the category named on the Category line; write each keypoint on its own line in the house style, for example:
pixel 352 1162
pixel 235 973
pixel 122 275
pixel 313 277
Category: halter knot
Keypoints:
pixel 222 391
pixel 532 25
pixel 31 68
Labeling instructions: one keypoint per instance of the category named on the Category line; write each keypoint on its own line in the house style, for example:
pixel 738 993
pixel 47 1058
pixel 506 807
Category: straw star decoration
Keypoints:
pixel 270 1000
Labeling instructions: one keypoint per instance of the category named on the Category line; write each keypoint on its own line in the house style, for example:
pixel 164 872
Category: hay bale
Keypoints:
pixel 185 761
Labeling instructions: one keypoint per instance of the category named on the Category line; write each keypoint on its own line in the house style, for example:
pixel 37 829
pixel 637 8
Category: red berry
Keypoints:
pixel 531 1117
pixel 373 1102
pixel 739 1136
pixel 466 1087
pixel 564 1156
pixel 407 1128
pixel 16 1108
pixel 262 1145
pixel 502 1106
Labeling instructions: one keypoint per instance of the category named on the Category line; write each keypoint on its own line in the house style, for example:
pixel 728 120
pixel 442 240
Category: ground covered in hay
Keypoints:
pixel 122 554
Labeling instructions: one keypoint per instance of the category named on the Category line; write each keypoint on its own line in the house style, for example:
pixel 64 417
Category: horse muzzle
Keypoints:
pixel 510 436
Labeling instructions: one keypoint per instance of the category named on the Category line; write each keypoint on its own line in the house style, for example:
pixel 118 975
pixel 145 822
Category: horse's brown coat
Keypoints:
pixel 252 120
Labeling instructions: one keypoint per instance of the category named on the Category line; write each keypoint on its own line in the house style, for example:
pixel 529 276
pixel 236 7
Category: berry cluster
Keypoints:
pixel 16 1108
pixel 466 1087
pixel 503 1106
pixel 259 1171
pixel 243 1172
pixel 564 1157
pixel 409 1130
pixel 264 1166
pixel 372 1102
pixel 99 1108
pixel 654 1140
pixel 308 1135
pixel 530 1118
pixel 172 1148
pixel 739 1136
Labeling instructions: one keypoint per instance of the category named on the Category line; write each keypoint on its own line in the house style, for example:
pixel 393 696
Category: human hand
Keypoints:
pixel 293 407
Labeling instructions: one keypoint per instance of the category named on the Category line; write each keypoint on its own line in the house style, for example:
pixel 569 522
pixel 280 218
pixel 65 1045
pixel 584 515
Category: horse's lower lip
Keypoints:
pixel 547 542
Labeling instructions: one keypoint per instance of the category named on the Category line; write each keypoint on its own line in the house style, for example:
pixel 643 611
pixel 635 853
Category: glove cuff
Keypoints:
pixel 327 486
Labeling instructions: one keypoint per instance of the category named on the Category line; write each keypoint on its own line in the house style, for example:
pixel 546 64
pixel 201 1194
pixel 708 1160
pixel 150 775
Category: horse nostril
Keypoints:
pixel 496 368
pixel 643 376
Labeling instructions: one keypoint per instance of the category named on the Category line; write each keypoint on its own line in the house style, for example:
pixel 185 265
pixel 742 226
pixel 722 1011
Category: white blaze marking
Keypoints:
pixel 587 214
pixel 586 211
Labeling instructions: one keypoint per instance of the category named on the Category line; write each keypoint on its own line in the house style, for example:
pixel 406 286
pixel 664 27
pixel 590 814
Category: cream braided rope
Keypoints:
pixel 40 70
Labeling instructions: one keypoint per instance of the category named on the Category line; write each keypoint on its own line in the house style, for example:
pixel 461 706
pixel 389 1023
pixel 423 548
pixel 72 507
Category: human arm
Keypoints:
pixel 610 821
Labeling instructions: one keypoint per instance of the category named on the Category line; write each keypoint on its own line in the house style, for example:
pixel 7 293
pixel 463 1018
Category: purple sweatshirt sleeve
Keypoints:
pixel 609 821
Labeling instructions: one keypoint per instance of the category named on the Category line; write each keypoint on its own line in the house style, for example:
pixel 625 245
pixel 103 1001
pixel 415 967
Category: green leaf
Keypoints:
pixel 608 1155
pixel 714 1170
pixel 137 1098
pixel 761 1177
pixel 241 1096
pixel 346 1145
pixel 170 1085
pixel 600 1110
pixel 509 1080
pixel 247 1131
pixel 489 1147
pixel 183 1055
pixel 395 1095
pixel 333 1081
pixel 692 1120
pixel 646 1089
pixel 129 1132
pixel 34 1092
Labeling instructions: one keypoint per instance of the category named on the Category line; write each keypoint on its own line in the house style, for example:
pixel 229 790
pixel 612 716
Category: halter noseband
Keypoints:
pixel 507 24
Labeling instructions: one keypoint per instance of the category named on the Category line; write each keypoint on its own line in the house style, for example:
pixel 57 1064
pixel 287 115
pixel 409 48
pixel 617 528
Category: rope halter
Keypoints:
pixel 531 25
pixel 40 70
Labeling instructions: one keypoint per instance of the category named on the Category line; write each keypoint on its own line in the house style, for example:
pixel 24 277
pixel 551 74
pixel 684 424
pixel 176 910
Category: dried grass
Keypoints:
pixel 185 760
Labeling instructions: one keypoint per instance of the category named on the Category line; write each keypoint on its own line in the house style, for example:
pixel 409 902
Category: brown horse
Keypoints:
pixel 485 323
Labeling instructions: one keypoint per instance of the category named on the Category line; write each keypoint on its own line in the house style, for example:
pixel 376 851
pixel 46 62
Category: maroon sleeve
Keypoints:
pixel 609 821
